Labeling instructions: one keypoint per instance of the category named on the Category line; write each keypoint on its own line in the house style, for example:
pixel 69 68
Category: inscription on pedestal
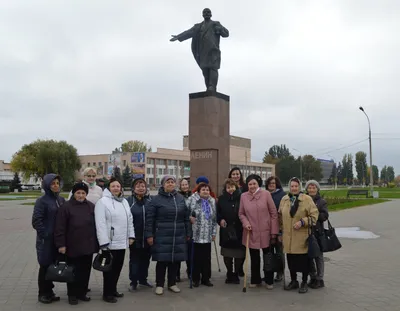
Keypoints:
pixel 199 155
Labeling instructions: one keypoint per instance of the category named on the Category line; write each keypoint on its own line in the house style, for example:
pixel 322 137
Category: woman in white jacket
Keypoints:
pixel 89 178
pixel 115 232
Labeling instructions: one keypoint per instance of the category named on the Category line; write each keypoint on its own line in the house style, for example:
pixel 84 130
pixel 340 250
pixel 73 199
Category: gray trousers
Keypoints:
pixel 317 266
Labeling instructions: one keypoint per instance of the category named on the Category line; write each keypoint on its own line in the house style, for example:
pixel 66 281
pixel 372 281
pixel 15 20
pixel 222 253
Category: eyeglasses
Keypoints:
pixel 92 176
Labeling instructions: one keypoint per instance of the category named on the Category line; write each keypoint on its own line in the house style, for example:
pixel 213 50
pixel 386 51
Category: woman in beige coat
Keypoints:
pixel 295 211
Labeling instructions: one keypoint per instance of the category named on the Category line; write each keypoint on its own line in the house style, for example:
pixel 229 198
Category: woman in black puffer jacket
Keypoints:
pixel 167 230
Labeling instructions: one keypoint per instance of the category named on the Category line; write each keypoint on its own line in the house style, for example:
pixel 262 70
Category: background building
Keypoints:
pixel 155 165
pixel 327 167
pixel 5 171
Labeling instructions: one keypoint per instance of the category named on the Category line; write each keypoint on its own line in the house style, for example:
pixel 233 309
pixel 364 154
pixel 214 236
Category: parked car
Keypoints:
pixel 37 187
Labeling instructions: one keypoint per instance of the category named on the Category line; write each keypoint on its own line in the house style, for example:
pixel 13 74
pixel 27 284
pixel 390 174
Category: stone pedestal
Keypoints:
pixel 209 138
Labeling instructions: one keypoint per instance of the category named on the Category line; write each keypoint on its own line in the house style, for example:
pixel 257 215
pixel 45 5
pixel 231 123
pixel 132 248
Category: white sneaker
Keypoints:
pixel 174 289
pixel 269 287
pixel 255 285
pixel 159 290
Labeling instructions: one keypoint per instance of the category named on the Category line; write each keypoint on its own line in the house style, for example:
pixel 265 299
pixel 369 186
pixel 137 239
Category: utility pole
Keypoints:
pixel 371 177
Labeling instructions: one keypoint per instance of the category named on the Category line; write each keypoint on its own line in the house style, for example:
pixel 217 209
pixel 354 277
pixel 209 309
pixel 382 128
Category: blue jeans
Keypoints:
pixel 139 261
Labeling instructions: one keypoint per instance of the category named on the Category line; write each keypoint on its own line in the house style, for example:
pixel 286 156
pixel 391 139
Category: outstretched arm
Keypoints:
pixel 184 35
pixel 222 31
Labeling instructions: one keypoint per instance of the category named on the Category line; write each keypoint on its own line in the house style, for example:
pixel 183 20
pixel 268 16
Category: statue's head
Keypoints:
pixel 207 14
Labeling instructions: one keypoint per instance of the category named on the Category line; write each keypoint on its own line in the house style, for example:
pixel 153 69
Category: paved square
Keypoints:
pixel 363 275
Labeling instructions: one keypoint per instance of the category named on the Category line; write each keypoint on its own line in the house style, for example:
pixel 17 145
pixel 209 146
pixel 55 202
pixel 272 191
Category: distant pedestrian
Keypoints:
pixel 317 265
pixel 75 237
pixel 115 233
pixel 167 232
pixel 43 221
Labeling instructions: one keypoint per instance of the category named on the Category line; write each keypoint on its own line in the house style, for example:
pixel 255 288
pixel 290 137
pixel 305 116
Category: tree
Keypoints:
pixel 390 173
pixel 16 183
pixel 279 152
pixel 311 168
pixel 47 156
pixel 287 168
pixel 347 174
pixel 135 146
pixel 339 174
pixel 361 166
pixel 333 177
pixel 127 177
pixel 375 174
pixel 117 173
pixel 384 178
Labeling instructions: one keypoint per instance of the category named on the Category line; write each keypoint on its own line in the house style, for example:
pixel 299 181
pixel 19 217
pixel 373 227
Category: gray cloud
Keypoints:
pixel 96 73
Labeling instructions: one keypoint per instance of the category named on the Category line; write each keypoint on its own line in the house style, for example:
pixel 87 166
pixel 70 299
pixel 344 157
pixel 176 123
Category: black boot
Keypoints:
pixel 292 285
pixel 303 288
pixel 72 300
pixel 235 279
pixel 229 278
pixel 239 267
pixel 45 299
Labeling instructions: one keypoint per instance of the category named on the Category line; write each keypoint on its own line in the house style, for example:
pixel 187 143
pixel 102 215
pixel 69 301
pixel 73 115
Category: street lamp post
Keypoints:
pixel 371 177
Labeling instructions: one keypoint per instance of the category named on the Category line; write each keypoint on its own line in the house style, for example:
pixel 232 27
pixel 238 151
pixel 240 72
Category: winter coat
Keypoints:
pixel 75 228
pixel 95 193
pixel 260 213
pixel 295 241
pixel 138 210
pixel 114 222
pixel 277 196
pixel 167 221
pixel 43 220
pixel 203 229
pixel 187 196
pixel 323 212
pixel 228 209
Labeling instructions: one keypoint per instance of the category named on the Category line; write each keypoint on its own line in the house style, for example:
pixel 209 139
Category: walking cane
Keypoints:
pixel 246 262
pixel 192 257
pixel 216 255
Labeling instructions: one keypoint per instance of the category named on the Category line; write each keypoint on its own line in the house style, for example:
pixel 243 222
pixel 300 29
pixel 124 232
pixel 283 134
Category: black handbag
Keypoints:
pixel 273 260
pixel 327 239
pixel 314 250
pixel 103 261
pixel 61 272
pixel 231 232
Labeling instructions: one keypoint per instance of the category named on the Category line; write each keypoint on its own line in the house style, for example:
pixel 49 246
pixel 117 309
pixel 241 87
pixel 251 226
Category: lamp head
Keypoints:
pixel 362 109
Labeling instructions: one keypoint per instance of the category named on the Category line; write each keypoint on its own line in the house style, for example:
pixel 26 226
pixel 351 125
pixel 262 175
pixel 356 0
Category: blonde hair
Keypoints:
pixel 88 169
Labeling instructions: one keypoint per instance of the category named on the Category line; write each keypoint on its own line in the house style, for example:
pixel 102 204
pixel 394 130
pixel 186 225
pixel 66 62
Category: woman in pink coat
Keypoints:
pixel 259 217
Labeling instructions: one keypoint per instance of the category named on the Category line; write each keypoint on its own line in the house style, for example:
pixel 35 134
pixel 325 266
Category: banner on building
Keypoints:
pixel 138 157
pixel 115 160
pixel 100 171
pixel 110 170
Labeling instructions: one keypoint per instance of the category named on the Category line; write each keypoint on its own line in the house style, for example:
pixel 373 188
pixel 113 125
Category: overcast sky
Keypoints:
pixel 98 73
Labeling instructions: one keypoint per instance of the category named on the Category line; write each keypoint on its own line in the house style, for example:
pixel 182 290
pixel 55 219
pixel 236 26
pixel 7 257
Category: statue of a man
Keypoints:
pixel 205 47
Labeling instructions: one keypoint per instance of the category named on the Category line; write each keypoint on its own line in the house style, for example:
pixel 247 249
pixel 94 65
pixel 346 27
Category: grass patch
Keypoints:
pixel 12 199
pixel 28 203
pixel 384 193
pixel 354 203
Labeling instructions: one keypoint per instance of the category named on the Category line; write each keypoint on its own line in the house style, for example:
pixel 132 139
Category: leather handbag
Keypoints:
pixel 103 261
pixel 61 272
pixel 327 239
pixel 314 250
pixel 273 260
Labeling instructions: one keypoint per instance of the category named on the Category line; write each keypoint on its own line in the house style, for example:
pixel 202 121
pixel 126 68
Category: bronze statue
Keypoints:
pixel 205 47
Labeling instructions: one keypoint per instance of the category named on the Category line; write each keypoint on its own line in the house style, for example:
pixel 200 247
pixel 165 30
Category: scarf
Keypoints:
pixel 119 198
pixel 139 199
pixel 205 205
pixel 294 204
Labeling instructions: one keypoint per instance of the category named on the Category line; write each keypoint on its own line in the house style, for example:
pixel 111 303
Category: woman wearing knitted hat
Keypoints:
pixel 295 211
pixel 260 220
pixel 115 233
pixel 75 236
pixel 167 231
pixel 139 252
pixel 202 207
pixel 317 264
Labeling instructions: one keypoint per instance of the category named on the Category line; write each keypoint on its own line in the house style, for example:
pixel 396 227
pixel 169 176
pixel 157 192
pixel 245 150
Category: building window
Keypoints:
pixel 124 162
pixel 150 161
pixel 94 163
pixel 99 163
pixel 148 170
pixel 160 171
pixel 160 162
pixel 171 171
pixel 88 164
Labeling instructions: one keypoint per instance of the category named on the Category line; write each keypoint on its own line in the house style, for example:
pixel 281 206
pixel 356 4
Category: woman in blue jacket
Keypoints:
pixel 139 252
pixel 43 221
pixel 167 230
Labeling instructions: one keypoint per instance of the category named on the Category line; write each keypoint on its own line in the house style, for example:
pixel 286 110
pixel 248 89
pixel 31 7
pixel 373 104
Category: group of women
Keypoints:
pixel 175 226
